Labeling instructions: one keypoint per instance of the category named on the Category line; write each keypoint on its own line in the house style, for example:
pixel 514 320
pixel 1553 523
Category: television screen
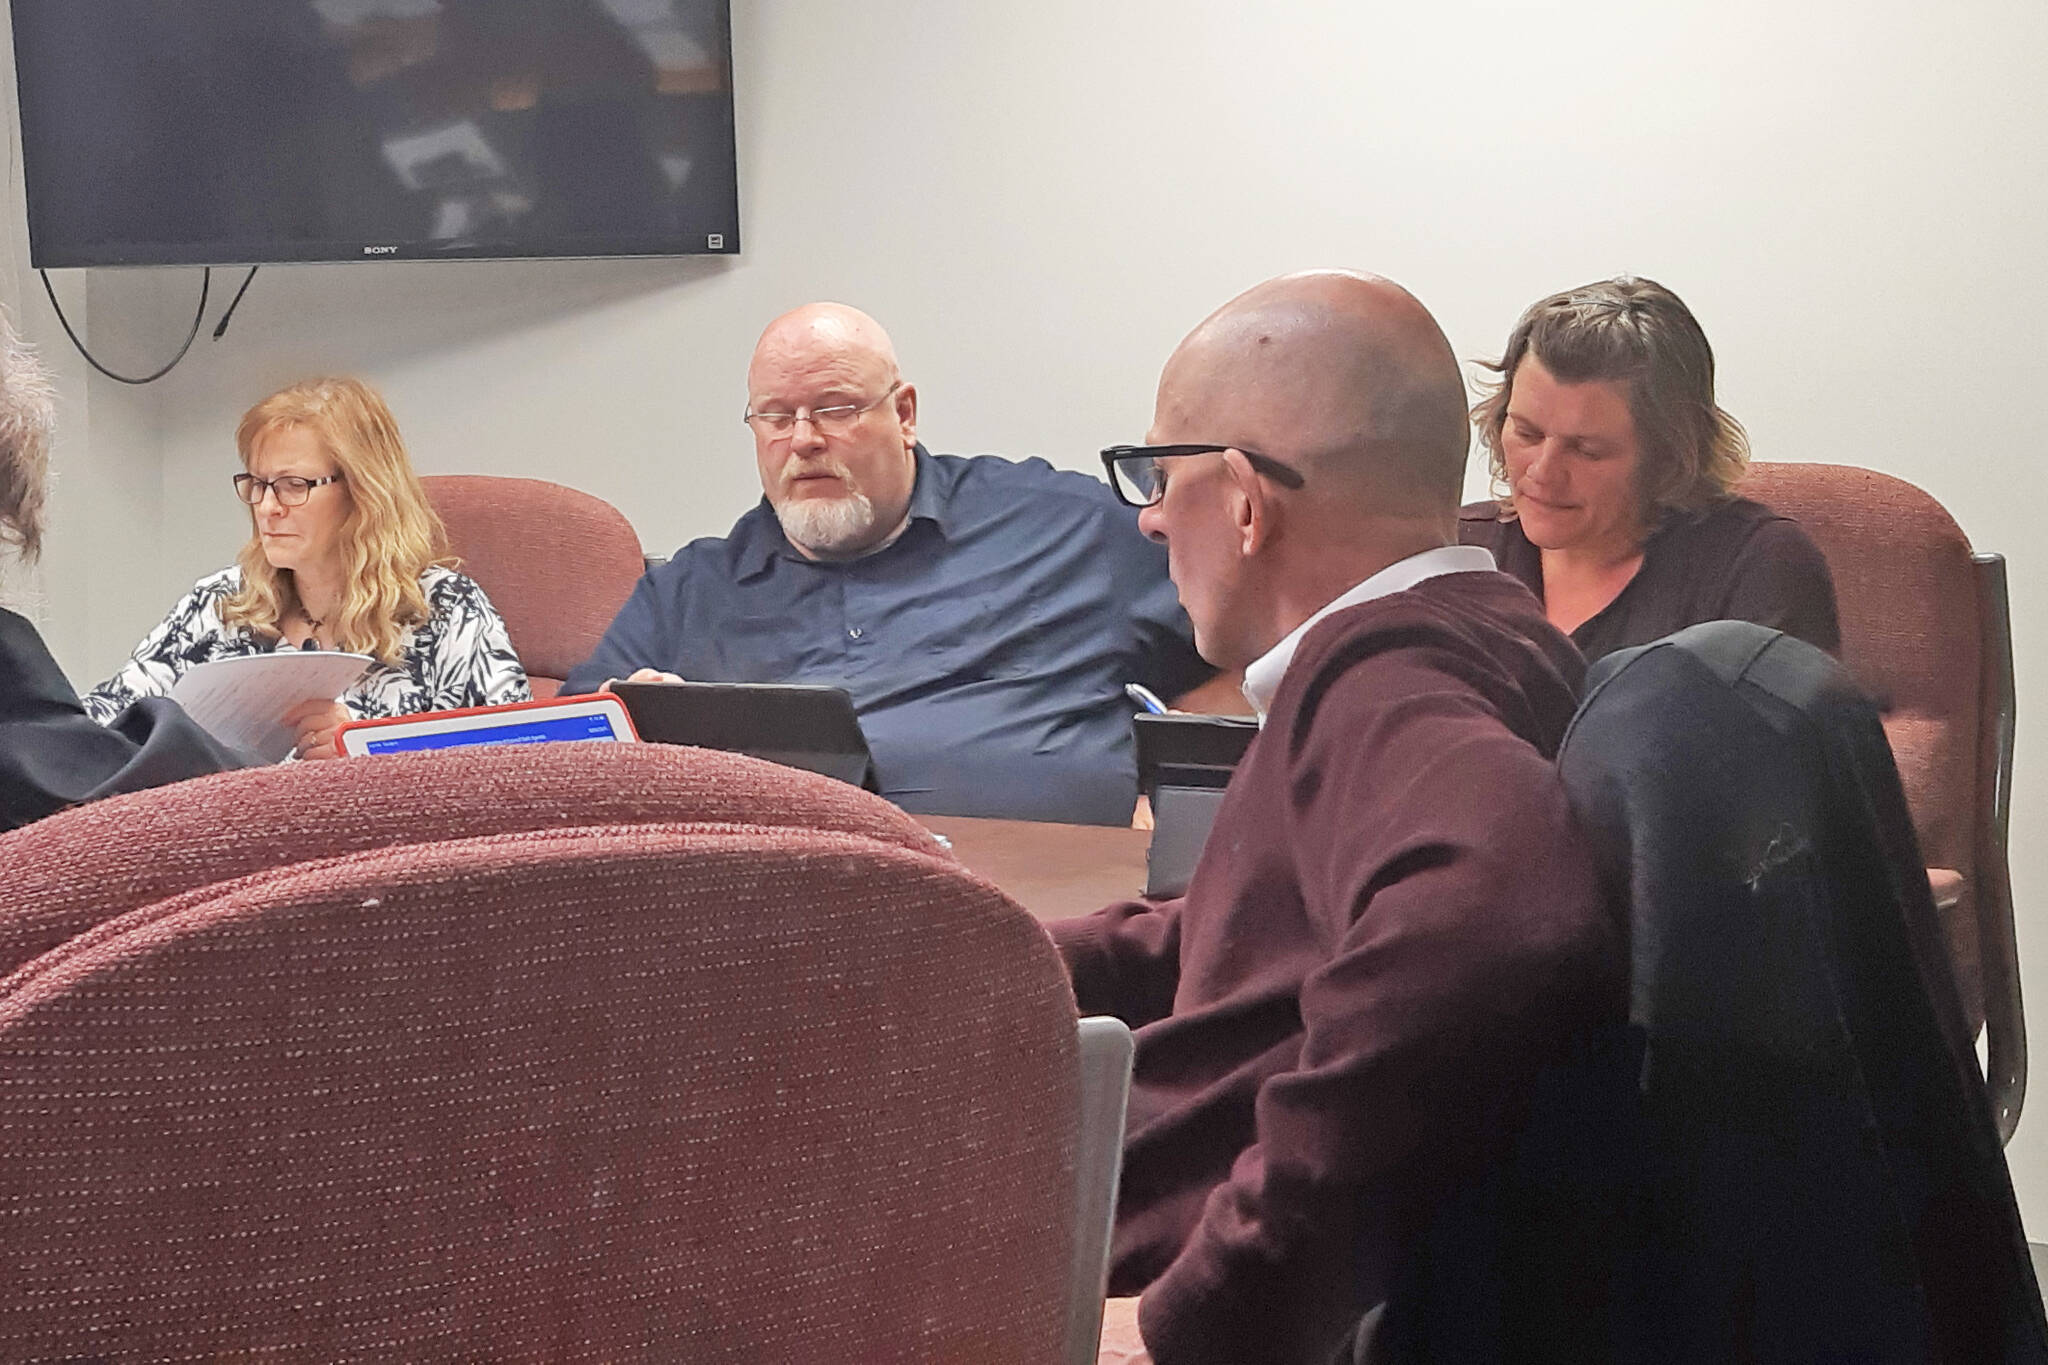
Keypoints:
pixel 160 132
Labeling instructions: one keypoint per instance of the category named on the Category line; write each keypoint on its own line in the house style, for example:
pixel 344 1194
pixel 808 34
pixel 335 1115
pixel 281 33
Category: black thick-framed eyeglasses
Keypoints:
pixel 1139 481
pixel 290 489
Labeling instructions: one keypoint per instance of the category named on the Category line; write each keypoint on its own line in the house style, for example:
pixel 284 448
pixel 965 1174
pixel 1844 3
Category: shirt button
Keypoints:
pixel 853 632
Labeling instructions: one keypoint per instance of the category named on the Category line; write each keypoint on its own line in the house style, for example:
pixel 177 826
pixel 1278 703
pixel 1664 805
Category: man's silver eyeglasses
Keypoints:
pixel 1140 480
pixel 291 490
pixel 836 420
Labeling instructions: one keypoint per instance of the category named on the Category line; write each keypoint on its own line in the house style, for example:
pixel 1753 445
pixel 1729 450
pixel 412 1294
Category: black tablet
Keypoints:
pixel 1184 763
pixel 1181 749
pixel 798 725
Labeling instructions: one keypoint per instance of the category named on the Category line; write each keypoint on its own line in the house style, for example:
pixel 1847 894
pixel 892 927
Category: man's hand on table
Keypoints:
pixel 642 675
pixel 1120 1342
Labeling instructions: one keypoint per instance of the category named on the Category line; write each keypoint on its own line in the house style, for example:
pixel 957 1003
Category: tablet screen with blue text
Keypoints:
pixel 575 719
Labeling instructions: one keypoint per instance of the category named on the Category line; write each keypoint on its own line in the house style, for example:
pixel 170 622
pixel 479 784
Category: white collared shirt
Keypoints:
pixel 1262 677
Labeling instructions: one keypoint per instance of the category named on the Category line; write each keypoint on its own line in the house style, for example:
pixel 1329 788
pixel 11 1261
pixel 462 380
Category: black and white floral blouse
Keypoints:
pixel 460 656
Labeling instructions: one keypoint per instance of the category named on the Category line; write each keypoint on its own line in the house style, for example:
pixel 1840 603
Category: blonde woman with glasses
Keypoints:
pixel 344 554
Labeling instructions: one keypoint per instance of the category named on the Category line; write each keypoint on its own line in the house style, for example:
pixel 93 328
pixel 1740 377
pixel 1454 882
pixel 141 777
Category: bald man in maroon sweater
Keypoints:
pixel 1395 926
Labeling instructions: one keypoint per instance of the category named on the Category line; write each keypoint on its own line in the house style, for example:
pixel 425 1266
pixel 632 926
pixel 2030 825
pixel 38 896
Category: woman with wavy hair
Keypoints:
pixel 1616 472
pixel 52 755
pixel 344 553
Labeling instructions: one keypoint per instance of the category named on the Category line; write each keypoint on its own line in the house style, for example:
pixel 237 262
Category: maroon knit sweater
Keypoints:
pixel 1394 927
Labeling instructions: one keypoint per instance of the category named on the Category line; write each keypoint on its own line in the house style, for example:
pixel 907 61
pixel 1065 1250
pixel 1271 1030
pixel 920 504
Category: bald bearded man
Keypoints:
pixel 1395 927
pixel 984 613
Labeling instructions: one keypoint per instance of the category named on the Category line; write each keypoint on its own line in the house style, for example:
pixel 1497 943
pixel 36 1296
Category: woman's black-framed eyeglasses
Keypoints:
pixel 290 489
pixel 1139 481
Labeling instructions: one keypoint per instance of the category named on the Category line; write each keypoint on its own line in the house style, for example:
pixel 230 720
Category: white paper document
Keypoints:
pixel 243 701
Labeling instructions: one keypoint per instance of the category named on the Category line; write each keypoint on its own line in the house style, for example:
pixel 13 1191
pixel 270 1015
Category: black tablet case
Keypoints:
pixel 1184 763
pixel 799 725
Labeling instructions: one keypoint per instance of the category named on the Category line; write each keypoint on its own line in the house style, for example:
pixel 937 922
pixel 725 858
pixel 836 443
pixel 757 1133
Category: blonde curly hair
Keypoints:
pixel 1638 333
pixel 389 538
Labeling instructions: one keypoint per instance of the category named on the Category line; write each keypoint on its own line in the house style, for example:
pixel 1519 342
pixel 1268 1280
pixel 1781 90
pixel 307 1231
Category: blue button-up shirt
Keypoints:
pixel 986 650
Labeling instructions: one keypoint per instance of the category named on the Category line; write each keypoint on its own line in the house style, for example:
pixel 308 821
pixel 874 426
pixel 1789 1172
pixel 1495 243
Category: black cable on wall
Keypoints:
pixel 198 315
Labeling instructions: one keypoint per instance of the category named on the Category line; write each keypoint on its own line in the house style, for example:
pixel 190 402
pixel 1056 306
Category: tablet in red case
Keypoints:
pixel 557 719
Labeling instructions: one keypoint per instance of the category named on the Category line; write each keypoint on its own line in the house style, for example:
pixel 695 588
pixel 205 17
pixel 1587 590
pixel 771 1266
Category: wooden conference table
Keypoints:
pixel 1051 870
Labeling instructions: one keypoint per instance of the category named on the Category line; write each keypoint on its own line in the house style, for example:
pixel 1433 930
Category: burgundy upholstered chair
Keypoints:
pixel 130 866
pixel 1927 631
pixel 68 873
pixel 652 1091
pixel 558 563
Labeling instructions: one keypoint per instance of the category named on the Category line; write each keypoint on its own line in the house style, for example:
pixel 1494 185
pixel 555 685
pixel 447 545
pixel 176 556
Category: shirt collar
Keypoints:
pixel 1262 678
pixel 927 503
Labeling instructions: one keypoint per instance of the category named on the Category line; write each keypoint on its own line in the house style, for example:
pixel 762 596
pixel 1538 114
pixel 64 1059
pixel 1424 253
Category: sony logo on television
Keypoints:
pixel 380 251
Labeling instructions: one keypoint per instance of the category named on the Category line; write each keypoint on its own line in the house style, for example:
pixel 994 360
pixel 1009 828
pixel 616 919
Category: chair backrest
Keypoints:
pixel 1911 636
pixel 63 875
pixel 1806 1163
pixel 633 1093
pixel 558 563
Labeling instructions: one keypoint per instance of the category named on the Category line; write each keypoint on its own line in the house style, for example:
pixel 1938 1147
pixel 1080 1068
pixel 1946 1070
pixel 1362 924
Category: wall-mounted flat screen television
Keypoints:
pixel 158 132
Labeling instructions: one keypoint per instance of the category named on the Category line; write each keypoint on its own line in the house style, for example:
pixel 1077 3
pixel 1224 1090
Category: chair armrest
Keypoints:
pixel 1106 1052
pixel 2005 1021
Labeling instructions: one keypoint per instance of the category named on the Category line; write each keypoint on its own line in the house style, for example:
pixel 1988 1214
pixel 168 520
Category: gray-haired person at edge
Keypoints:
pixel 52 754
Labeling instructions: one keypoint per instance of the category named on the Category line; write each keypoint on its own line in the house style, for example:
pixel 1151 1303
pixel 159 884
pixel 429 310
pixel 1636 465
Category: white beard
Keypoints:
pixel 828 526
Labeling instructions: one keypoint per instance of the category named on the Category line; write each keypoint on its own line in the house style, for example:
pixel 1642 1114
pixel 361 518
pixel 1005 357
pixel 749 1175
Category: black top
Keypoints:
pixel 1736 561
pixel 53 755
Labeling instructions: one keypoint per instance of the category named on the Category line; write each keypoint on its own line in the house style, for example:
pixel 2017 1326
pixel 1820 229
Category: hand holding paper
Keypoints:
pixel 317 725
pixel 248 701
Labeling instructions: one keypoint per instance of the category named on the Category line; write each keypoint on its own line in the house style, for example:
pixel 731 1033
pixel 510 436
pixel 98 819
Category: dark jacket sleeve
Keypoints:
pixel 169 746
pixel 1123 960
pixel 53 755
pixel 640 636
pixel 1469 943
pixel 1781 580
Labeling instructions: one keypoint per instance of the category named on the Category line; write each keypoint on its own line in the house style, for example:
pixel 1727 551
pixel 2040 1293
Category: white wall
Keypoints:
pixel 107 461
pixel 1039 200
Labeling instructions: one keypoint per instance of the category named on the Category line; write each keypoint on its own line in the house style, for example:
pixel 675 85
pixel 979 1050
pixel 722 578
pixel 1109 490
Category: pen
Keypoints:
pixel 1145 697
